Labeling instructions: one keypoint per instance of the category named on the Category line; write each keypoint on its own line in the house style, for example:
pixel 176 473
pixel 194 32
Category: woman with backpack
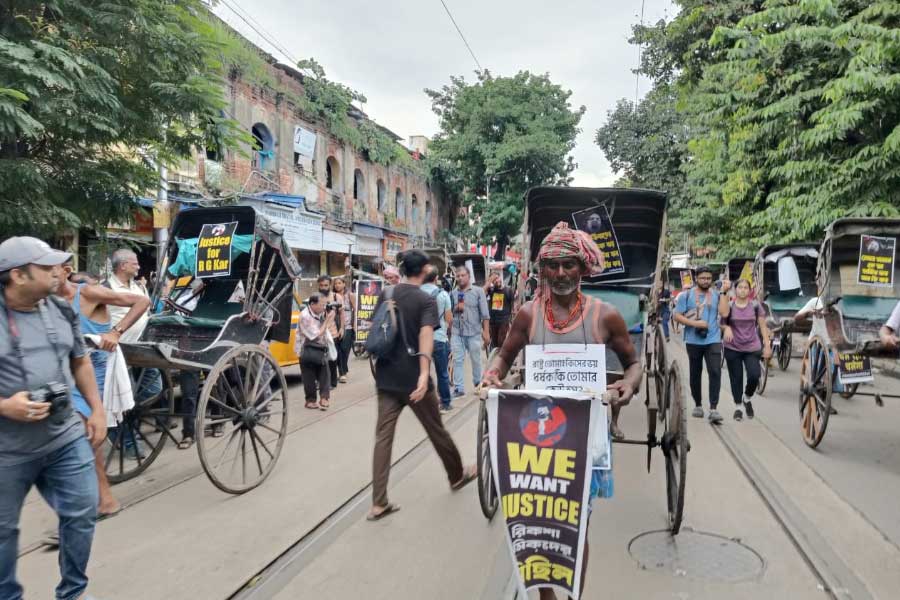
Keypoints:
pixel 746 337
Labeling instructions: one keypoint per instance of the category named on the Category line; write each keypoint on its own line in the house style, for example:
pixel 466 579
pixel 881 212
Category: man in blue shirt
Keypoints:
pixel 697 309
pixel 441 352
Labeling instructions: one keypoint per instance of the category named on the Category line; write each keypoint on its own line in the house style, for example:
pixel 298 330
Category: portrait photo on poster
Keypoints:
pixel 597 223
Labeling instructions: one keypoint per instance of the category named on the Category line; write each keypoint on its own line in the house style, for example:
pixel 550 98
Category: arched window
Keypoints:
pixel 332 174
pixel 416 224
pixel 400 205
pixel 382 196
pixel 359 186
pixel 263 147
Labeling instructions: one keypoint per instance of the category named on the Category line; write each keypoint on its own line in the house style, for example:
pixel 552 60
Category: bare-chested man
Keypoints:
pixel 90 303
pixel 561 314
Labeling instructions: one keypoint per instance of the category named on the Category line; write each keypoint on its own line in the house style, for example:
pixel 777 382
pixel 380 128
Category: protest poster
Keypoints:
pixel 367 293
pixel 214 250
pixel 596 222
pixel 573 368
pixel 539 451
pixel 687 280
pixel 854 368
pixel 876 260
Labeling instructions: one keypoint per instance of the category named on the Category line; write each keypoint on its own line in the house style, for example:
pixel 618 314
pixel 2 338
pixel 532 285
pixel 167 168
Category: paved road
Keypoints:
pixel 181 538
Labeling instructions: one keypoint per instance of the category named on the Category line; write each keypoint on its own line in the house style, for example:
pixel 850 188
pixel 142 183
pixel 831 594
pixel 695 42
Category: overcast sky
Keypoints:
pixel 392 49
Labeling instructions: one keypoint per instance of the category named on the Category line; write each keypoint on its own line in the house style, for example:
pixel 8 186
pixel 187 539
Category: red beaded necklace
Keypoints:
pixel 573 314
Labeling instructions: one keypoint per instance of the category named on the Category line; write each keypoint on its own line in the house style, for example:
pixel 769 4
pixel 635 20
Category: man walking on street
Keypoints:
pixel 441 340
pixel 469 333
pixel 403 378
pixel 43 441
pixel 336 328
pixel 697 309
pixel 500 301
pixel 91 304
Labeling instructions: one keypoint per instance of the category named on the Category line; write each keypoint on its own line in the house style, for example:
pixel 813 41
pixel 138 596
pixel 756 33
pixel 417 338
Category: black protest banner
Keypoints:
pixel 541 456
pixel 214 250
pixel 596 222
pixel 854 368
pixel 876 260
pixel 367 293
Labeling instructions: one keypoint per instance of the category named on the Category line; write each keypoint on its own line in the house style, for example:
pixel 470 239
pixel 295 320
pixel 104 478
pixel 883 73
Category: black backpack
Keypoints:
pixel 386 323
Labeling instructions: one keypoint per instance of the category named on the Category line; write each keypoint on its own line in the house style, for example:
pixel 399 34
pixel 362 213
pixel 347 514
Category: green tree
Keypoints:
pixel 503 133
pixel 647 145
pixel 94 93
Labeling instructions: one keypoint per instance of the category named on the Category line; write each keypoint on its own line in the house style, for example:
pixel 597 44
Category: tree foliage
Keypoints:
pixel 792 113
pixel 92 94
pixel 516 131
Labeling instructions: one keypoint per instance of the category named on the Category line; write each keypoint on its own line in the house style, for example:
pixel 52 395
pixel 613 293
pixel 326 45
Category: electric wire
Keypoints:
pixel 462 37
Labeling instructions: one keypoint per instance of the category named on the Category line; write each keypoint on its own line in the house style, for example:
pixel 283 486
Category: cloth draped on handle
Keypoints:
pixel 563 241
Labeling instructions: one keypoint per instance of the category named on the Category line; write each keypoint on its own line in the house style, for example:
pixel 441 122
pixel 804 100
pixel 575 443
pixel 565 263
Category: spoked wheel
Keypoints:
pixel 784 351
pixel 139 438
pixel 849 390
pixel 675 447
pixel 359 350
pixel 246 397
pixel 487 492
pixel 815 391
pixel 659 376
pixel 763 375
pixel 372 365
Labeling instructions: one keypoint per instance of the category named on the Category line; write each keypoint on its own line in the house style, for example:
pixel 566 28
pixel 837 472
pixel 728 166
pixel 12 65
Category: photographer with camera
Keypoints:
pixel 313 347
pixel 333 303
pixel 698 310
pixel 43 441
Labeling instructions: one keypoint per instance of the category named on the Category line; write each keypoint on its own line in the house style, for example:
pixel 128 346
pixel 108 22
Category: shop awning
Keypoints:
pixel 337 241
pixel 368 231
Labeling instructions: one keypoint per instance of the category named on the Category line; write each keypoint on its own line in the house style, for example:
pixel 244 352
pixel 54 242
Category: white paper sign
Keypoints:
pixel 304 141
pixel 574 368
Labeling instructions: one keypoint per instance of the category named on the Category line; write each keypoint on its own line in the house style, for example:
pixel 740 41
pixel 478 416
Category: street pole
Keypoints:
pixel 161 216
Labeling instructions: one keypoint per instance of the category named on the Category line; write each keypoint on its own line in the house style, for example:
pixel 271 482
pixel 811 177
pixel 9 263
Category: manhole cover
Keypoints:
pixel 696 555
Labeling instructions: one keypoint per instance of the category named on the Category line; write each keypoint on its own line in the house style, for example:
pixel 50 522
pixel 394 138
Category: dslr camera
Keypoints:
pixel 57 394
pixel 333 306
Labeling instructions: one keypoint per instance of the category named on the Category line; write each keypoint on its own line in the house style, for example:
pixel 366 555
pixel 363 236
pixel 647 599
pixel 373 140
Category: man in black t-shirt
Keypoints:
pixel 500 300
pixel 402 378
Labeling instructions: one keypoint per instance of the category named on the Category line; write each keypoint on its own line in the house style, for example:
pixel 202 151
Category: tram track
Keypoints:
pixel 164 486
pixel 272 578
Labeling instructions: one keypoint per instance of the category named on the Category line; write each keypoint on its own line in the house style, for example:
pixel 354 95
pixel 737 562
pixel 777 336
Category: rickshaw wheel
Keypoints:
pixel 763 375
pixel 815 391
pixel 675 446
pixel 246 396
pixel 372 365
pixel 138 440
pixel 487 492
pixel 359 350
pixel 849 391
pixel 660 372
pixel 784 351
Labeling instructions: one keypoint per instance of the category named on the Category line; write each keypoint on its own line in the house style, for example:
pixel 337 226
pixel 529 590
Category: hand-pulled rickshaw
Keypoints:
pixel 220 334
pixel 639 220
pixel 858 278
pixel 785 280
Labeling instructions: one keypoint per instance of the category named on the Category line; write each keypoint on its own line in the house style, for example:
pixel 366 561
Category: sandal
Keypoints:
pixel 218 430
pixel 186 442
pixel 468 477
pixel 312 405
pixel 388 510
pixel 324 404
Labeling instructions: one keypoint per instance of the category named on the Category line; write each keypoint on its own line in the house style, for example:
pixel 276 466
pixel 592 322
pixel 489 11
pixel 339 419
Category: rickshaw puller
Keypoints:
pixel 561 314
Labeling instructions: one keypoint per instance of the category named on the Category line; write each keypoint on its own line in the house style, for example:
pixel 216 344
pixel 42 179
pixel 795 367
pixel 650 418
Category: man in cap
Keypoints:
pixel 43 441
pixel 561 314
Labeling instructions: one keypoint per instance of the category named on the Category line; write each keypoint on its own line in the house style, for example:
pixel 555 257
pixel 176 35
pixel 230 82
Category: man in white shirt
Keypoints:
pixel 125 268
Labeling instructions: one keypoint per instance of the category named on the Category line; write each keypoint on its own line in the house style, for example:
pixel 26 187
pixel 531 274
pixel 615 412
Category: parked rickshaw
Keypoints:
pixel 479 265
pixel 784 280
pixel 736 266
pixel 639 220
pixel 223 338
pixel 858 277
